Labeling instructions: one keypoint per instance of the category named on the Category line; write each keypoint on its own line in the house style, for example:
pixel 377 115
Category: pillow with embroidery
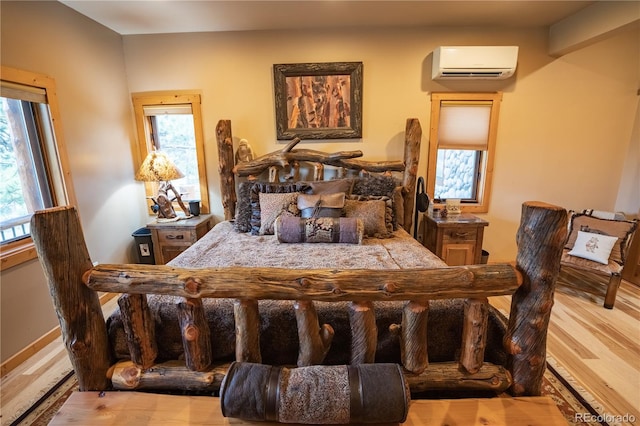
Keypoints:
pixel 274 205
pixel 289 229
pixel 592 246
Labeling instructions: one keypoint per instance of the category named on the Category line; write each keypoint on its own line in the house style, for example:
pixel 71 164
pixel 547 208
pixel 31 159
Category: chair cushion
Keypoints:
pixel 589 265
pixel 622 229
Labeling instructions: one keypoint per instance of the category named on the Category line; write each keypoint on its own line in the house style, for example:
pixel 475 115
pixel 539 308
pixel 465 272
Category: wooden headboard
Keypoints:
pixel 290 159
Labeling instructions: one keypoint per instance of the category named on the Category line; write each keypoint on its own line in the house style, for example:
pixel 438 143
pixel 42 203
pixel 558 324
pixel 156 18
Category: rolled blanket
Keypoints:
pixel 290 229
pixel 321 394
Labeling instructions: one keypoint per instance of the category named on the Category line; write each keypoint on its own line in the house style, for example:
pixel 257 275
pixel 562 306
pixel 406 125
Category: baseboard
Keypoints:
pixel 26 353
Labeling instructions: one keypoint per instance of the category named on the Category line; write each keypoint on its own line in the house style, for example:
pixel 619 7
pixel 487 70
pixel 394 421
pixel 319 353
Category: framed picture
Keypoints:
pixel 318 100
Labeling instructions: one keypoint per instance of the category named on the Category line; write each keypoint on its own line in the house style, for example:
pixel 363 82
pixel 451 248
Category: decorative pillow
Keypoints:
pixel 398 208
pixel 291 229
pixel 375 185
pixel 265 187
pixel 321 205
pixel 329 186
pixel 596 247
pixel 274 205
pixel 242 221
pixel 372 213
pixel 622 229
pixel 389 217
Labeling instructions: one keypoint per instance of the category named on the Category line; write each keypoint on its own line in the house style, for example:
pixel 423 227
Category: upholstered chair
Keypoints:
pixel 595 252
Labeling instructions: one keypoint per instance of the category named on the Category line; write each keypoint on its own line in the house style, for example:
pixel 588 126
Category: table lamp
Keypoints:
pixel 157 167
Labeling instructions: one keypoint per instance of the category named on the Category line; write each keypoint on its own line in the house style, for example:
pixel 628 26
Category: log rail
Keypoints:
pixel 74 284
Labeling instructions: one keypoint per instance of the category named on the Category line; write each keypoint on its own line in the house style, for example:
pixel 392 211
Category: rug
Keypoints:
pixel 576 404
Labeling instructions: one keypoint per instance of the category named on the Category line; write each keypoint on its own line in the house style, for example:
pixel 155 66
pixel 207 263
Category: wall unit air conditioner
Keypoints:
pixel 474 62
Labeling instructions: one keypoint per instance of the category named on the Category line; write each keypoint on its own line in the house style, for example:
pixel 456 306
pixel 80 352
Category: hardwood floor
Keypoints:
pixel 600 348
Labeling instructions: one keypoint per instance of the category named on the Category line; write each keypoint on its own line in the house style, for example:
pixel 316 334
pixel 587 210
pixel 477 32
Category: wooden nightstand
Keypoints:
pixel 172 238
pixel 456 240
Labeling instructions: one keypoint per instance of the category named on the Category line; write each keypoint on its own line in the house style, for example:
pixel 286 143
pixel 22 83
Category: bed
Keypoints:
pixel 235 296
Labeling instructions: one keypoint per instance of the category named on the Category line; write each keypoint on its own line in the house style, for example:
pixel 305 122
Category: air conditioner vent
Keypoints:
pixel 474 62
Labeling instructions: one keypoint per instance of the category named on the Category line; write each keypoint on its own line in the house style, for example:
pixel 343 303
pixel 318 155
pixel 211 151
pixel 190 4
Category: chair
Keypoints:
pixel 595 252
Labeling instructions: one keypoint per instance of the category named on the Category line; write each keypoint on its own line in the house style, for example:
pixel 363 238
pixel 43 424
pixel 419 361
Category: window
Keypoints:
pixel 33 164
pixel 172 123
pixel 461 149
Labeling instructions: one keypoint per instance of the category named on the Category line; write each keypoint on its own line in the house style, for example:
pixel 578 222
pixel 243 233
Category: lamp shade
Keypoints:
pixel 158 167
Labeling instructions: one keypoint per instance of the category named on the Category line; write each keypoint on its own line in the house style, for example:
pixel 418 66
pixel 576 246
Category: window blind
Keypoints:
pixel 464 125
pixel 151 110
pixel 22 92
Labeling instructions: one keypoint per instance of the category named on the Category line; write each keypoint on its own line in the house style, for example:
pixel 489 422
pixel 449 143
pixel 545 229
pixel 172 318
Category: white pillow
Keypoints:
pixel 596 247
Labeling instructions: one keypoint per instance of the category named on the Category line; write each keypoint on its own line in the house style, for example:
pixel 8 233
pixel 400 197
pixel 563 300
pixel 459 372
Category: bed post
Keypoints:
pixel 64 257
pixel 540 238
pixel 225 167
pixel 413 135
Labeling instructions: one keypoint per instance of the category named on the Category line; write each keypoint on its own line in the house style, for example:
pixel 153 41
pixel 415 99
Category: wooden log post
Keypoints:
pixel 294 172
pixel 413 337
pixel 139 327
pixel 540 238
pixel 447 376
pixel 364 332
pixel 474 334
pixel 323 285
pixel 318 171
pixel 247 320
pixel 274 174
pixel 413 136
pixel 315 341
pixel 196 339
pixel 172 375
pixel 64 257
pixel 225 168
pixel 167 376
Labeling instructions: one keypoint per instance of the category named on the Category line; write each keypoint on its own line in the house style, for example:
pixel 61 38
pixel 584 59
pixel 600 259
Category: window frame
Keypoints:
pixel 183 97
pixel 21 251
pixel 485 178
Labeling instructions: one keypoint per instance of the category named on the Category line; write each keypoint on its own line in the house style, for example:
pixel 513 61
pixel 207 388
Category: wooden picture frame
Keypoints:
pixel 318 100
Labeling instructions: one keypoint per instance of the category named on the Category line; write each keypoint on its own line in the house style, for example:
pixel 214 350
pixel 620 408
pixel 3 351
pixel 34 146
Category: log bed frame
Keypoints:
pixel 74 285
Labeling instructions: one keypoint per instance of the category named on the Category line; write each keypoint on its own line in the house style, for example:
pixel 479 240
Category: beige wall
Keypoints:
pixel 87 62
pixel 565 125
pixel 565 129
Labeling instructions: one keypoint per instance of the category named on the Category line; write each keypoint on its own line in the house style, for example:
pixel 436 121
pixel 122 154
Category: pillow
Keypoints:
pixel 321 205
pixel 398 207
pixel 372 213
pixel 389 217
pixel 265 187
pixel 242 221
pixel 591 246
pixel 274 205
pixel 375 185
pixel 329 186
pixel 622 229
pixel 291 229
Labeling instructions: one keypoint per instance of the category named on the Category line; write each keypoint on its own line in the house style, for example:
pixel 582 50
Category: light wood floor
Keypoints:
pixel 600 348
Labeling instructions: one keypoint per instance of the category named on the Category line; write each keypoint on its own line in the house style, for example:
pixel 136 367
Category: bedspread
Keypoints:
pixel 223 246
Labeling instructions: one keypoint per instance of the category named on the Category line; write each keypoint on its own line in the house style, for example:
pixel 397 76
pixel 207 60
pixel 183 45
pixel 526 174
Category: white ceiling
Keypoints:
pixel 174 16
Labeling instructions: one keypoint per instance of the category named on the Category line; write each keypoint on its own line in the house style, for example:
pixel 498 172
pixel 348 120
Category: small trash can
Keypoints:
pixel 484 257
pixel 144 246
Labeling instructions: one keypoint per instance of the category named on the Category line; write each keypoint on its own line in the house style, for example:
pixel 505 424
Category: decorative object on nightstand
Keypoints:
pixel 457 240
pixel 172 238
pixel 157 167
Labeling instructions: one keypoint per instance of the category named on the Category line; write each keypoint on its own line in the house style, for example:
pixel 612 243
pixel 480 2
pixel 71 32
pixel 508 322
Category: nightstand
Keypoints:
pixel 172 238
pixel 456 240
